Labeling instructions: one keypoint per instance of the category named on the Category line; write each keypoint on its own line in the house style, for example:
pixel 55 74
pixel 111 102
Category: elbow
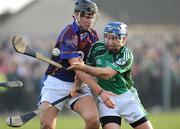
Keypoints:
pixel 107 73
pixel 106 76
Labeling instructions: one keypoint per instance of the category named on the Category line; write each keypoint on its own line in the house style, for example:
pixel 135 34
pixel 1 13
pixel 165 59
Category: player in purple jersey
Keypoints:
pixel 74 41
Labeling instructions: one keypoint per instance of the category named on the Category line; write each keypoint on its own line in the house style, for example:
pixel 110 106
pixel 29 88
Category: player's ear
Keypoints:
pixel 123 41
pixel 76 14
pixel 125 38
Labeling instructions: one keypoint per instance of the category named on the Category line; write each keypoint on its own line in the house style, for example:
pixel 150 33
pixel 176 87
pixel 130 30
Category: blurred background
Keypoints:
pixel 154 38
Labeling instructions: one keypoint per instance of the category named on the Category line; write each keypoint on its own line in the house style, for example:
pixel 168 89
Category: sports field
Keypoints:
pixel 170 120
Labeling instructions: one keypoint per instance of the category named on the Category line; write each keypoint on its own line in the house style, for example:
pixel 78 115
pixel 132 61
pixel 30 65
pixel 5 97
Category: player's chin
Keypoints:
pixel 88 27
pixel 113 49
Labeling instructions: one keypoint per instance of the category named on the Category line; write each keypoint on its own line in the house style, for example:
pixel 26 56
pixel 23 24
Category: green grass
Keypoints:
pixel 170 120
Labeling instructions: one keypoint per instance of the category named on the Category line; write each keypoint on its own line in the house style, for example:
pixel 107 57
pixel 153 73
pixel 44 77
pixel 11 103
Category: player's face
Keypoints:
pixel 87 21
pixel 114 43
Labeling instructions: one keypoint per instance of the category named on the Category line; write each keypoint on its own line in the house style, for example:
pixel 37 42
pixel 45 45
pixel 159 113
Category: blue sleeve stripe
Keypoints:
pixel 68 56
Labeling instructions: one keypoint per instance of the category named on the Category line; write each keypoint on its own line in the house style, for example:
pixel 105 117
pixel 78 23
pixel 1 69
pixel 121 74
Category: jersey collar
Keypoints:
pixel 76 28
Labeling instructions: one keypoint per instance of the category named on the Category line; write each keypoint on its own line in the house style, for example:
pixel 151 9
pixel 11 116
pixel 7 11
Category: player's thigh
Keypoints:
pixel 111 126
pixel 49 116
pixel 109 116
pixel 54 89
pixel 86 107
pixel 131 109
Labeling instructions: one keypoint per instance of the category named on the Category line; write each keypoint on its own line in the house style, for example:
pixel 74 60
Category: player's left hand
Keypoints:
pixel 74 91
pixel 106 98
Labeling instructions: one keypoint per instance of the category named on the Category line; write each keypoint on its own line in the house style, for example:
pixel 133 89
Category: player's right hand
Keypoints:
pixel 77 65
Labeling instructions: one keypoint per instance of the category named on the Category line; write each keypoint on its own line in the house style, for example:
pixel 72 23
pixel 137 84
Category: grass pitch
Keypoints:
pixel 169 120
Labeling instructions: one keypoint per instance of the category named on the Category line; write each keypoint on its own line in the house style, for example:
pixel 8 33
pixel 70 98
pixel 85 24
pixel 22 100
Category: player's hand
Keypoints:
pixel 77 65
pixel 106 98
pixel 75 91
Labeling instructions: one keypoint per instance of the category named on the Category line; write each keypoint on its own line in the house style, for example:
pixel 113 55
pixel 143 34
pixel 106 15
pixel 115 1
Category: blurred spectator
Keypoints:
pixel 148 51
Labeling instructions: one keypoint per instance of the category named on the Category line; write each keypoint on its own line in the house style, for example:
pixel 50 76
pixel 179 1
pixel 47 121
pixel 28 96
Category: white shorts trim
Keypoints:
pixel 54 89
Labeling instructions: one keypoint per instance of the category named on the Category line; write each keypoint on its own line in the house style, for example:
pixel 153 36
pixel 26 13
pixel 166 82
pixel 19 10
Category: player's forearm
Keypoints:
pixel 89 81
pixel 96 71
pixel 78 82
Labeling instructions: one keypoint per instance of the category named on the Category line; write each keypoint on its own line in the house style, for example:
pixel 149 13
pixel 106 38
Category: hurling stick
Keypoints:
pixel 11 84
pixel 20 120
pixel 20 46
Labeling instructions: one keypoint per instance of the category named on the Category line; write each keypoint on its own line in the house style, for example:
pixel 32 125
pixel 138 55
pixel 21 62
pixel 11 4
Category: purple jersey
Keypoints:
pixel 72 41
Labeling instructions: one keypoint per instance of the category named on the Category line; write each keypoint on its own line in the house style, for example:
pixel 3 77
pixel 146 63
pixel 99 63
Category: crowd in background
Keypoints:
pixel 150 55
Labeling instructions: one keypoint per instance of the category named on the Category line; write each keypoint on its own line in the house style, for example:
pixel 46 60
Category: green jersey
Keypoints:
pixel 99 56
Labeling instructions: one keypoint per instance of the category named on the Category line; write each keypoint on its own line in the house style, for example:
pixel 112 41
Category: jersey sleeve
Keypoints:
pixel 93 52
pixel 123 63
pixel 68 49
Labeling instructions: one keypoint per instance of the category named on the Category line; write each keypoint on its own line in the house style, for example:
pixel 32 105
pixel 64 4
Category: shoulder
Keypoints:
pixel 66 34
pixel 126 50
pixel 98 45
pixel 98 48
pixel 67 29
pixel 125 55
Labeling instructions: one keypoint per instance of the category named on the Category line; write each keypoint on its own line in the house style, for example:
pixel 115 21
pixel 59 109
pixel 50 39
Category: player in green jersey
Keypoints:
pixel 111 62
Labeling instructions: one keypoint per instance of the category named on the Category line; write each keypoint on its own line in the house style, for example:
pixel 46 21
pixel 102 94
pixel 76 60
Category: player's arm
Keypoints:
pixel 86 78
pixel 104 73
pixel 120 66
pixel 76 86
